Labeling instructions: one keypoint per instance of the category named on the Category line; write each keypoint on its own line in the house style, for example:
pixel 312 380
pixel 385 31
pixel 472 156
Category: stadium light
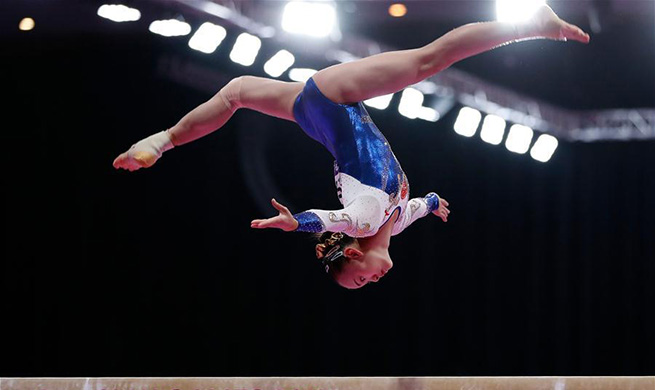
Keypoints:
pixel 411 102
pixel 428 114
pixel 398 10
pixel 379 102
pixel 309 18
pixel 26 24
pixel 207 38
pixel 119 13
pixel 493 129
pixel 245 49
pixel 519 138
pixel 467 121
pixel 170 28
pixel 279 63
pixel 301 74
pixel 516 10
pixel 544 148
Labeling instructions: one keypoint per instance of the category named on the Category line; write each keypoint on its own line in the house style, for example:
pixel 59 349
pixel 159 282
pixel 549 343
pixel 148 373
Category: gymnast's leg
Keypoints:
pixel 392 71
pixel 271 97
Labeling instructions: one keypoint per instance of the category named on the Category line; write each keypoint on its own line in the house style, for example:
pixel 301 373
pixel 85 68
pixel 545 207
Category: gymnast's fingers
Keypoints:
pixel 259 223
pixel 278 206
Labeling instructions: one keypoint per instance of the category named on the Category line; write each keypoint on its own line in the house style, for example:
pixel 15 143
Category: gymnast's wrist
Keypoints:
pixel 433 201
pixel 295 224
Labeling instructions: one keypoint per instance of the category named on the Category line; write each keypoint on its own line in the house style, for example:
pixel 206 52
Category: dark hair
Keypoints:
pixel 333 258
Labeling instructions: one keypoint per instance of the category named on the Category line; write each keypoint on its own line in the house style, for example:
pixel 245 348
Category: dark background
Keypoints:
pixel 542 269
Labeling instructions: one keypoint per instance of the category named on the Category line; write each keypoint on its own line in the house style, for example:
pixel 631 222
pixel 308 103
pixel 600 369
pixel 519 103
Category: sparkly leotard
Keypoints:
pixel 371 185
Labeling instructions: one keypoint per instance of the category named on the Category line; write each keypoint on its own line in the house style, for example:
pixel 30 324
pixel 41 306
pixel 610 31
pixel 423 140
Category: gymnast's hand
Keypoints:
pixel 284 220
pixel 442 212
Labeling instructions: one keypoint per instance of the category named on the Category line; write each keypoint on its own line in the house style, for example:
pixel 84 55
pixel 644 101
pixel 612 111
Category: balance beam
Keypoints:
pixel 333 383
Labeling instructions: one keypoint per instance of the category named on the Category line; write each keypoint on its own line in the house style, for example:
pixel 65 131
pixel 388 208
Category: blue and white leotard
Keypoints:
pixel 371 185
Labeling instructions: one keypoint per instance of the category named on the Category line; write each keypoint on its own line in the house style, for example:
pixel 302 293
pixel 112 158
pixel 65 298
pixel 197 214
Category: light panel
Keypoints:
pixel 493 129
pixel 544 148
pixel 428 114
pixel 519 139
pixel 514 11
pixel 315 19
pixel 379 102
pixel 411 102
pixel 170 28
pixel 301 74
pixel 467 121
pixel 119 13
pixel 245 49
pixel 208 37
pixel 279 63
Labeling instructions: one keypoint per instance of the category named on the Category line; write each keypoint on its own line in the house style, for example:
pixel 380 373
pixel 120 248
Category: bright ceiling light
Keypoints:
pixel 245 49
pixel 119 13
pixel 379 102
pixel 519 138
pixel 516 10
pixel 467 121
pixel 397 10
pixel 428 114
pixel 544 148
pixel 170 28
pixel 411 102
pixel 316 19
pixel 279 63
pixel 493 129
pixel 301 74
pixel 207 38
pixel 26 24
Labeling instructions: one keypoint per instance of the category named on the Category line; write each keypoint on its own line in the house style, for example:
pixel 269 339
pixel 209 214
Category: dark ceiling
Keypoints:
pixel 616 70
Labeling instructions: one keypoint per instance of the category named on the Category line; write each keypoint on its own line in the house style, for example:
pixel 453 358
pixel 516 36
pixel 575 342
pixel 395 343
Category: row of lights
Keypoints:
pixel 246 47
pixel 209 36
pixel 518 138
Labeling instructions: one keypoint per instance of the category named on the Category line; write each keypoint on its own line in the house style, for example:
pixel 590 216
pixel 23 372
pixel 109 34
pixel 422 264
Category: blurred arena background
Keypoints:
pixel 545 151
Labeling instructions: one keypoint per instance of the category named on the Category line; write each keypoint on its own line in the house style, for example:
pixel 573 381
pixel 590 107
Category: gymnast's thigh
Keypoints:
pixel 268 96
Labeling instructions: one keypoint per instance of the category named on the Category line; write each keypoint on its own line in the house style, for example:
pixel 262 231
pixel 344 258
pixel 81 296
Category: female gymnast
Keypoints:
pixel 371 185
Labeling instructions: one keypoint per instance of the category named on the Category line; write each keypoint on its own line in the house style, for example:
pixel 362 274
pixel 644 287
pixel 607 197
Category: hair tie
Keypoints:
pixel 334 253
pixel 320 249
pixel 334 238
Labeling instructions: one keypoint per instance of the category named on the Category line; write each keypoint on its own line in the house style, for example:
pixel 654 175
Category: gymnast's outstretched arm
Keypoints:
pixel 390 72
pixel 271 97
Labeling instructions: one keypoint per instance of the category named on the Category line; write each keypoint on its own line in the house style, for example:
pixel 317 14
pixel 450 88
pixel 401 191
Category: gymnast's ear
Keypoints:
pixel 353 253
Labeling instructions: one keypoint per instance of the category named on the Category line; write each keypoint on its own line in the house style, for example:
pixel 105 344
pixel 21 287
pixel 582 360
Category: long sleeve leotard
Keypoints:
pixel 371 184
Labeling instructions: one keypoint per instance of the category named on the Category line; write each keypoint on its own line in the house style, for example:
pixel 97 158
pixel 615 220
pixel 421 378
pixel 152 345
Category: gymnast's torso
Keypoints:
pixel 371 184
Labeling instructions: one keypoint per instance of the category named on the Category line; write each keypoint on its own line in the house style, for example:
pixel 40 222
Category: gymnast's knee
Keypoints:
pixel 231 93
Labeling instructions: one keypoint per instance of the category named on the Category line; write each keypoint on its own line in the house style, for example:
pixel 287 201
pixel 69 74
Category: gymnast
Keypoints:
pixel 371 185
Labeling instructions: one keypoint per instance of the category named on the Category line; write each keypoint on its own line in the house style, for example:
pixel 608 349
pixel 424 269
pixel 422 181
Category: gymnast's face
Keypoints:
pixel 364 268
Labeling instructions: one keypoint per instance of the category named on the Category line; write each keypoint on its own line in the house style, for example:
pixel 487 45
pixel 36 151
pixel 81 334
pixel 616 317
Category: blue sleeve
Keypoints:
pixel 309 222
pixel 432 200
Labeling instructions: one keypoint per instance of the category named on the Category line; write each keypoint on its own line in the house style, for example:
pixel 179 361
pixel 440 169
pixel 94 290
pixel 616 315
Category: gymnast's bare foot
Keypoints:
pixel 547 24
